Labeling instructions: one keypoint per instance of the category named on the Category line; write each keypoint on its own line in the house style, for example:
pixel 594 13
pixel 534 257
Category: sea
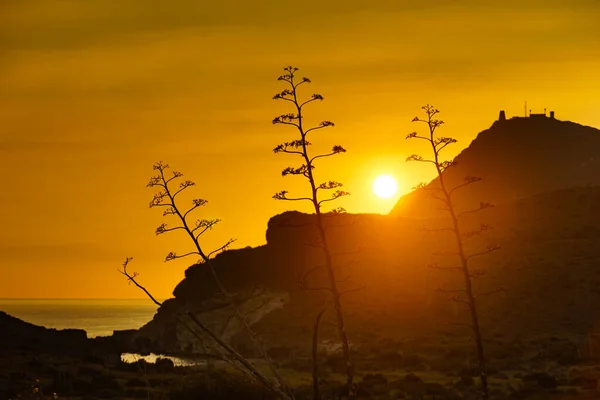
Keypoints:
pixel 98 317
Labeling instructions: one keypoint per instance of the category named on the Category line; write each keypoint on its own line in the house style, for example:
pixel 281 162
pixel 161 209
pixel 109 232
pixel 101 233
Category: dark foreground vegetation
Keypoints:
pixel 440 367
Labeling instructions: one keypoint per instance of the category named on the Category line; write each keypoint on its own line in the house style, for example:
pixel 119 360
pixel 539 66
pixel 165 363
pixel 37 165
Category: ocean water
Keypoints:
pixel 98 317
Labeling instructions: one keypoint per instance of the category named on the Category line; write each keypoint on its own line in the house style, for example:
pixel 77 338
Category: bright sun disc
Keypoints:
pixel 385 186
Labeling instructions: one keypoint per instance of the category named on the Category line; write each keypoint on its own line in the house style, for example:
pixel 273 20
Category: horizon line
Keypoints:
pixel 80 298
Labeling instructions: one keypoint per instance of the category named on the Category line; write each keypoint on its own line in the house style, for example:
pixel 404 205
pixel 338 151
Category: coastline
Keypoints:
pixel 98 317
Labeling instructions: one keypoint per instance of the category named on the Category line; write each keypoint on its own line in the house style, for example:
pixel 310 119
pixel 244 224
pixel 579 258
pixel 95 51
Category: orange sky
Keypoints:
pixel 93 92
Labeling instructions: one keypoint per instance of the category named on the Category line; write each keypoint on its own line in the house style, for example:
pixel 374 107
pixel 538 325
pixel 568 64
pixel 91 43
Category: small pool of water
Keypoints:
pixel 151 358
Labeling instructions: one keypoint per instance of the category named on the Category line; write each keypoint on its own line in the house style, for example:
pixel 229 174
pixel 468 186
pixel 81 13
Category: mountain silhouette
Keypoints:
pixel 517 158
pixel 542 175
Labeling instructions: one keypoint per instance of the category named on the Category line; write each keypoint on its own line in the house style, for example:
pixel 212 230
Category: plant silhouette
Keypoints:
pixel 166 197
pixel 300 147
pixel 466 295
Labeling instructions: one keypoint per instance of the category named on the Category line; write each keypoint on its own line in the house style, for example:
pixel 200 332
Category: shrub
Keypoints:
pixel 164 365
pixel 543 380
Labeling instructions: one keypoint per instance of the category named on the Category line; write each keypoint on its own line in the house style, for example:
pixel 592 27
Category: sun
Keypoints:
pixel 385 186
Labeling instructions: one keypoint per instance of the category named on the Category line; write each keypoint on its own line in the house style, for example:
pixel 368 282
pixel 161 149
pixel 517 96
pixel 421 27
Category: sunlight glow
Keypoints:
pixel 385 186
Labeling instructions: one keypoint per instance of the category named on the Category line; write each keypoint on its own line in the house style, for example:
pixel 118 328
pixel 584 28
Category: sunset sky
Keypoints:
pixel 93 92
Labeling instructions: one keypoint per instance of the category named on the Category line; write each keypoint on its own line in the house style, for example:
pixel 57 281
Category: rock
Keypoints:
pixel 374 379
pixel 164 365
pixel 501 375
pixel 412 378
pixel 375 384
pixel 466 381
pixel 135 382
pixel 543 380
pixel 585 383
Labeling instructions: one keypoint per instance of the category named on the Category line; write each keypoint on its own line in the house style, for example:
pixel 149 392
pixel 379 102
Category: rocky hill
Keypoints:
pixel 518 158
pixel 18 337
pixel 542 175
pixel 16 334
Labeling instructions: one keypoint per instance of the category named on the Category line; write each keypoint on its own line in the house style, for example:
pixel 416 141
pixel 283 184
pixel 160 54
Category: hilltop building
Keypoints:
pixel 502 115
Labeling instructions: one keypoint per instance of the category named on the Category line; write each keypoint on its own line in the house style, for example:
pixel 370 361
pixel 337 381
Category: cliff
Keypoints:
pixel 542 176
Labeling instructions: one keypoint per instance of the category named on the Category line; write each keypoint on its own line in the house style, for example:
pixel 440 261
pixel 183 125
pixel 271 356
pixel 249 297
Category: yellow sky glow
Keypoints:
pixel 93 93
